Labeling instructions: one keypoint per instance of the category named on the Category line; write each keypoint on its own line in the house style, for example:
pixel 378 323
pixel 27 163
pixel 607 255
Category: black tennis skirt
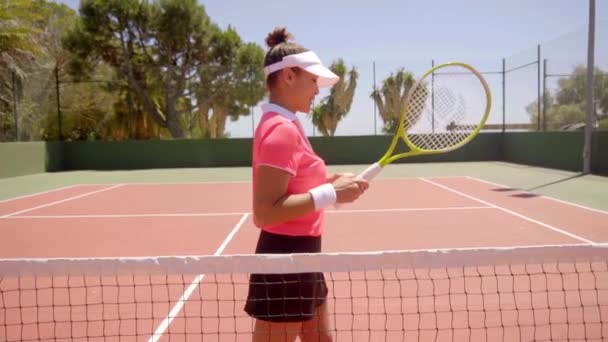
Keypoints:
pixel 291 297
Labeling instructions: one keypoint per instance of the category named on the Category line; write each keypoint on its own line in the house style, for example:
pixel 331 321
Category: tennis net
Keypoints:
pixel 540 293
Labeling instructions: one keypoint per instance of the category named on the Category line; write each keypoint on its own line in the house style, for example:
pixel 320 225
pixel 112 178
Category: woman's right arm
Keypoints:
pixel 272 205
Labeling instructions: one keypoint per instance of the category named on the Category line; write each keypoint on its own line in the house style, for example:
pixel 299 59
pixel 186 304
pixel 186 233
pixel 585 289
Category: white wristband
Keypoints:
pixel 323 196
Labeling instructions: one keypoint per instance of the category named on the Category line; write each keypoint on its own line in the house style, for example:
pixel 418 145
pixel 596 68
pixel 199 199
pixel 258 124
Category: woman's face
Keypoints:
pixel 303 89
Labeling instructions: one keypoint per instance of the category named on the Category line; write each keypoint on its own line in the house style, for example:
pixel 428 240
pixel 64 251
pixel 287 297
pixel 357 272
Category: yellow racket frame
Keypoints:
pixel 388 157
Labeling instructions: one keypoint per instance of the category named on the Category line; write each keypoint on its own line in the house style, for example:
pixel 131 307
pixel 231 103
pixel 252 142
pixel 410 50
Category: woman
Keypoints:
pixel 290 191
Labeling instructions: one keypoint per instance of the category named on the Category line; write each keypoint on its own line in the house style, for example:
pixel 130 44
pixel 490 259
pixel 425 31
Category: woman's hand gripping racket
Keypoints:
pixel 444 110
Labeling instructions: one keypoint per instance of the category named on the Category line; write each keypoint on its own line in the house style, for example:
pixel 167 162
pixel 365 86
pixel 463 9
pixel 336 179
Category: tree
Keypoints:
pixel 39 106
pixel 19 46
pixel 84 106
pixel 18 33
pixel 336 105
pixel 390 99
pixel 231 81
pixel 28 74
pixel 87 108
pixel 157 54
pixel 186 74
pixel 567 106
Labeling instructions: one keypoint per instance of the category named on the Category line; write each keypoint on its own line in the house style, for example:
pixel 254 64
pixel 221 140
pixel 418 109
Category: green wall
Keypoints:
pixel 599 153
pixel 146 154
pixel 237 152
pixel 26 158
pixel 561 150
pixel 368 149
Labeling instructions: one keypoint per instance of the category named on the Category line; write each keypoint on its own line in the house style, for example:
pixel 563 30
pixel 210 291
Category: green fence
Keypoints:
pixel 146 154
pixel 561 150
pixel 237 152
pixel 599 153
pixel 17 159
pixel 558 150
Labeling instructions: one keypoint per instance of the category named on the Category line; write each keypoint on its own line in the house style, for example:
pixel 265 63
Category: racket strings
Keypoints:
pixel 416 107
pixel 445 112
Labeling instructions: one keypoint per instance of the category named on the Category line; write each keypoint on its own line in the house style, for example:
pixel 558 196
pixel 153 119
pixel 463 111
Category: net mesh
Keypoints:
pixel 445 108
pixel 548 293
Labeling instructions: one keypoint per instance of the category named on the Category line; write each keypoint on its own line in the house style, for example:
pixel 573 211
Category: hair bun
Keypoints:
pixel 277 36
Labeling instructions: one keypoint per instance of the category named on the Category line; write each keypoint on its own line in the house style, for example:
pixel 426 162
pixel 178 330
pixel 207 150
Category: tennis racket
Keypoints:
pixel 444 110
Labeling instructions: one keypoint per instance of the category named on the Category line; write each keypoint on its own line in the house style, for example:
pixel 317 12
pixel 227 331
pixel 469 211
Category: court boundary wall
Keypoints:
pixel 558 150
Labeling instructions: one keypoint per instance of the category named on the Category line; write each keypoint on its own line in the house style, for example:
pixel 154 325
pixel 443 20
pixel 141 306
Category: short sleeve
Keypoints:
pixel 280 148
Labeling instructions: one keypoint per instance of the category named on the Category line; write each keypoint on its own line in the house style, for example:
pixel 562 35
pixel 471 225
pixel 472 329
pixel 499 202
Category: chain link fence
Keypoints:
pixel 536 89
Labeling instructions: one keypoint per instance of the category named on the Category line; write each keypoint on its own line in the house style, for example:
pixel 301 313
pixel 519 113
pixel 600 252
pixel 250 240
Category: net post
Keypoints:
pixel 538 98
pixel 57 94
pixel 252 121
pixel 314 127
pixel 589 89
pixel 504 83
pixel 433 97
pixel 375 114
pixel 251 111
pixel 15 114
pixel 131 119
pixel 544 98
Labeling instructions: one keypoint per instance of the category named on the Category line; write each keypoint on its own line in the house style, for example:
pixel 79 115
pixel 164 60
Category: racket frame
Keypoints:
pixel 388 156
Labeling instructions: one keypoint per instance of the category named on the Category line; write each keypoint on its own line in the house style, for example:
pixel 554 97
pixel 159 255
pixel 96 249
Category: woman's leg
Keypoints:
pixel 265 331
pixel 319 328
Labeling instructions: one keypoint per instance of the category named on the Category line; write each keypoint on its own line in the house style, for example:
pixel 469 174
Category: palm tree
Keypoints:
pixel 390 99
pixel 336 105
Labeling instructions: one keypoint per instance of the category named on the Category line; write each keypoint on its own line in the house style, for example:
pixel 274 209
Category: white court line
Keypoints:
pixel 511 212
pixel 62 201
pixel 102 216
pixel 181 183
pixel 249 181
pixel 164 325
pixel 39 193
pixel 543 196
pixel 110 216
pixel 403 209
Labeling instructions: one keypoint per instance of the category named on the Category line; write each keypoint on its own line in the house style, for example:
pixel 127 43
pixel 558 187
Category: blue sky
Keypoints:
pixel 403 33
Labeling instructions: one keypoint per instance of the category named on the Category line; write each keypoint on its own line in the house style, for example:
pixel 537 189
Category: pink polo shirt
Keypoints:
pixel 280 142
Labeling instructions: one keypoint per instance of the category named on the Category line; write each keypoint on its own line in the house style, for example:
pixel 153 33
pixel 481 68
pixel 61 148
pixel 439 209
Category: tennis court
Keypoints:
pixel 477 294
pixel 129 130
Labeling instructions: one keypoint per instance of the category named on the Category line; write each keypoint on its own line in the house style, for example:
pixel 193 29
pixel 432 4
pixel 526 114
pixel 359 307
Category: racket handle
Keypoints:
pixel 368 174
pixel 371 172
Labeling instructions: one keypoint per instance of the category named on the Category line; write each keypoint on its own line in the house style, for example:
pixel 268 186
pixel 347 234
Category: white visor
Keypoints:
pixel 309 62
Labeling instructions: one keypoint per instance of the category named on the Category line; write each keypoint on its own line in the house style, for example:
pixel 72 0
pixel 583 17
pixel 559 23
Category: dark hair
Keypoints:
pixel 279 47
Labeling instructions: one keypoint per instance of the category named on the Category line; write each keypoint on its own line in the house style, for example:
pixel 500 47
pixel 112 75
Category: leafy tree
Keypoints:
pixel 18 33
pixel 231 81
pixel 179 66
pixel 567 106
pixel 156 46
pixel 19 46
pixel 37 96
pixel 336 105
pixel 87 108
pixel 40 104
pixel 390 99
